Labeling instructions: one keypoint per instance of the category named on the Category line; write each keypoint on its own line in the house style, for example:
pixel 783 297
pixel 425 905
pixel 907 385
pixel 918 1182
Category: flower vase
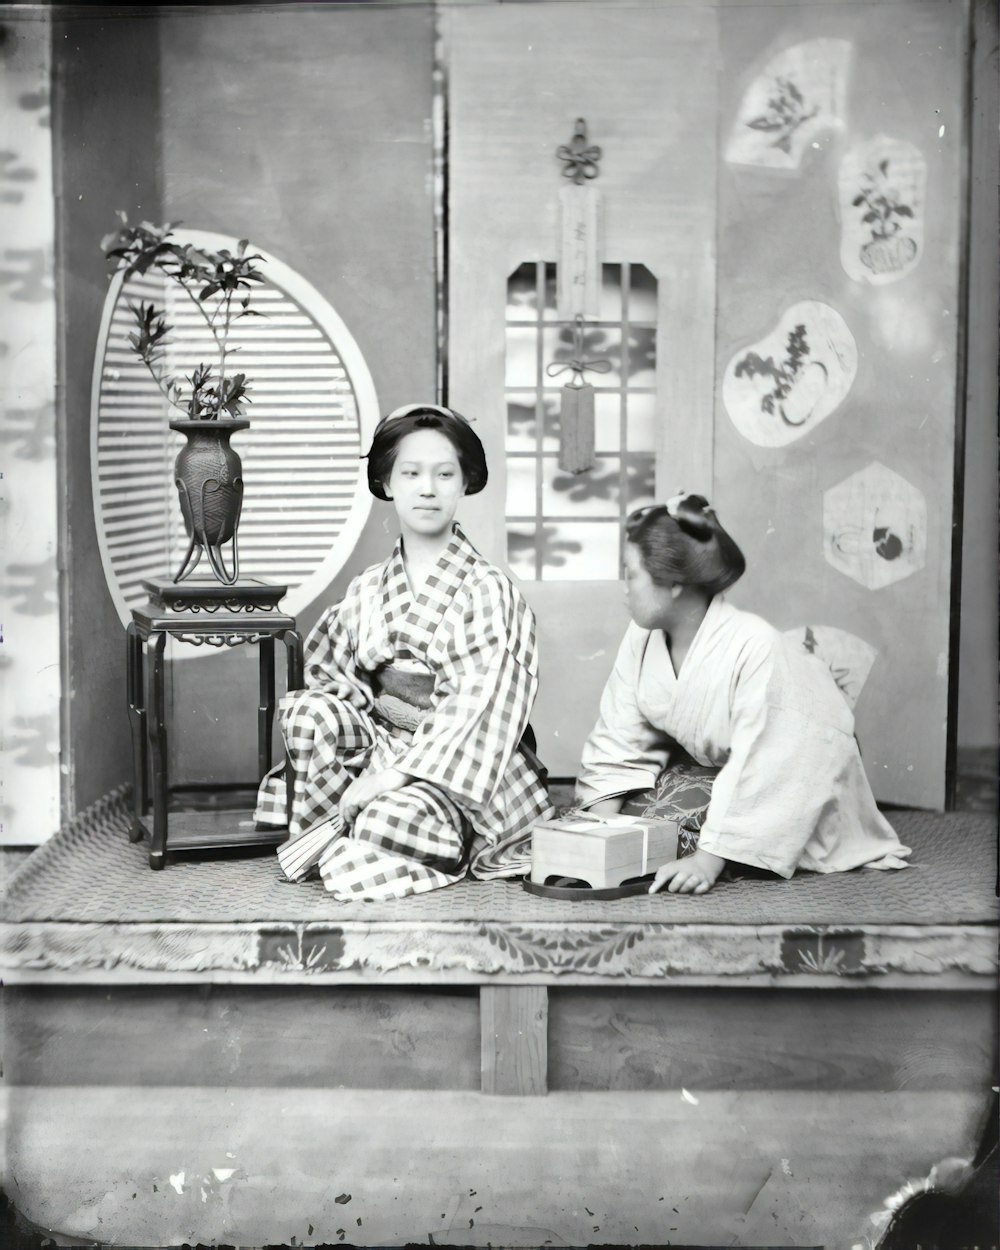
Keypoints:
pixel 890 254
pixel 209 477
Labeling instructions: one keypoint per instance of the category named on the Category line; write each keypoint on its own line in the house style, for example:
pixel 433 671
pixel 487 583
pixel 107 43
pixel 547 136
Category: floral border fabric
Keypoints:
pixel 463 952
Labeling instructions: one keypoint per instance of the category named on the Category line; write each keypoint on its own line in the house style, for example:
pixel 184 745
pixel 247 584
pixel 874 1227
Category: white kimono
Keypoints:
pixel 792 791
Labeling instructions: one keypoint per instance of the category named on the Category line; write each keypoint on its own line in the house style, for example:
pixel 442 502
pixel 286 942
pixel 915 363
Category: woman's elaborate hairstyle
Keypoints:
pixel 682 542
pixel 391 431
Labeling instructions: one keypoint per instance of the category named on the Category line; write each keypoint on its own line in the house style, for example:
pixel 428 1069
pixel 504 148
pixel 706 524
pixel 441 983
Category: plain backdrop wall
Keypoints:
pixel 106 139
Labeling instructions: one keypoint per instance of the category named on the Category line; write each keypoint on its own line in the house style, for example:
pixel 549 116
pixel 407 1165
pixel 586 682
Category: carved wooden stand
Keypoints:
pixel 201 612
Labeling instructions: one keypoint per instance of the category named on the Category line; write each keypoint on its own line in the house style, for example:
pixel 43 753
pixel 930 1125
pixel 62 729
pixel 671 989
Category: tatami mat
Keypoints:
pixel 90 872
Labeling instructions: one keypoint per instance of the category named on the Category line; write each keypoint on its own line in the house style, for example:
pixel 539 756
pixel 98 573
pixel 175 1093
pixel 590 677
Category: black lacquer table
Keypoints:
pixel 201 612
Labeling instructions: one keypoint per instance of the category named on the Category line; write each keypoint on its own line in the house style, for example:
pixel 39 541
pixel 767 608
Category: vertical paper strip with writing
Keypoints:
pixel 578 285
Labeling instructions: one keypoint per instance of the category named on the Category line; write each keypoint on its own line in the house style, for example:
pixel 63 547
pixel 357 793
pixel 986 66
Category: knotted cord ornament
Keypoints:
pixel 578 156
pixel 578 274
pixel 576 407
pixel 578 296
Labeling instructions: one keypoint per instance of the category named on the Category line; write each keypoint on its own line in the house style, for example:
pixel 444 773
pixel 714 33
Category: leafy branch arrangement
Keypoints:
pixel 786 112
pixel 882 203
pixel 784 375
pixel 213 281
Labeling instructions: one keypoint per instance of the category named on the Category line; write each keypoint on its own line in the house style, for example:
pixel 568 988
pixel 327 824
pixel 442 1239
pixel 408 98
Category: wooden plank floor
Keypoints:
pixel 381 1168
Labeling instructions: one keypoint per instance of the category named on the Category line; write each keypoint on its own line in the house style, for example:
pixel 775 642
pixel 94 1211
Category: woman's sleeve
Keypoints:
pixel 791 747
pixel 624 751
pixel 486 678
pixel 330 652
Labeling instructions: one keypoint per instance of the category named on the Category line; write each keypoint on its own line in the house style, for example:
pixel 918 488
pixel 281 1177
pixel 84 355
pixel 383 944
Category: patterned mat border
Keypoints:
pixel 482 952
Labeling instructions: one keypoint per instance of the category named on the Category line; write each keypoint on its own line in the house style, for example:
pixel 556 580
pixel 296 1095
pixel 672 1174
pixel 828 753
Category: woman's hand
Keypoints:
pixel 363 789
pixel 694 874
pixel 347 693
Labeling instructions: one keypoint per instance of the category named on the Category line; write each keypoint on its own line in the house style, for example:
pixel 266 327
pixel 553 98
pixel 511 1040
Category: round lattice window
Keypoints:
pixel 312 414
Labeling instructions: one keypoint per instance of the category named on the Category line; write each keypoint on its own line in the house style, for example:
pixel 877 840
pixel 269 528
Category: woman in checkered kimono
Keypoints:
pixel 406 742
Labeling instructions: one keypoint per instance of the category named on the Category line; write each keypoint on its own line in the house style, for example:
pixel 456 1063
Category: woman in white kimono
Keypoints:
pixel 722 685
pixel 406 742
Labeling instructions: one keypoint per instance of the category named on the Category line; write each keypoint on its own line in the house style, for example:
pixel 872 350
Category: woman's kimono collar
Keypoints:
pixel 427 608
pixel 456 559
pixel 718 612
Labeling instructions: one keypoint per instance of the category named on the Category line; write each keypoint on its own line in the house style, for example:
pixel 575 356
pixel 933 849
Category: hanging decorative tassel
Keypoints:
pixel 576 428
pixel 576 411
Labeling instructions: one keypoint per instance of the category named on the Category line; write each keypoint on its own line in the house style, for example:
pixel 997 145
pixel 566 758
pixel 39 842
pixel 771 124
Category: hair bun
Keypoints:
pixel 682 542
pixel 695 517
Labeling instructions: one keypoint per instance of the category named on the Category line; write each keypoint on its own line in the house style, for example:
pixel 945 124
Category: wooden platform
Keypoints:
pixel 86 911
pixel 763 1065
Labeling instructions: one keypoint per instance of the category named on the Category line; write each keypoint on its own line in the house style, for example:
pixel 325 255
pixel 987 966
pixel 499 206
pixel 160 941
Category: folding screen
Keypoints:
pixel 790 179
pixel 838 312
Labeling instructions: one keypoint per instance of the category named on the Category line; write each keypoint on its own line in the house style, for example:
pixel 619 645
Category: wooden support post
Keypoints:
pixel 513 1022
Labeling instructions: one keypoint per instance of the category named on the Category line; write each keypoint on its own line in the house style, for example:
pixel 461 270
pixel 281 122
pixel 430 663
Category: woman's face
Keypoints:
pixel 426 483
pixel 649 605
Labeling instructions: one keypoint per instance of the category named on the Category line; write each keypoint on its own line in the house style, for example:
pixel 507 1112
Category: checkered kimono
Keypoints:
pixel 473 795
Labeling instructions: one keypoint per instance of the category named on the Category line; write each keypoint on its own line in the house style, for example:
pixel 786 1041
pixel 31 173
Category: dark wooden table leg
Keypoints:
pixel 293 652
pixel 137 721
pixel 293 659
pixel 156 712
pixel 265 705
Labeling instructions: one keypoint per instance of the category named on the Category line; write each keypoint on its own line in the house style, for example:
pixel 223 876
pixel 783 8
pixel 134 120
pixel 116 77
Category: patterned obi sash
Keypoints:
pixel 402 697
pixel 402 700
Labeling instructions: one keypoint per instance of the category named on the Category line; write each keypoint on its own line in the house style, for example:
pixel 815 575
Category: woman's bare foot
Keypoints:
pixel 694 874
